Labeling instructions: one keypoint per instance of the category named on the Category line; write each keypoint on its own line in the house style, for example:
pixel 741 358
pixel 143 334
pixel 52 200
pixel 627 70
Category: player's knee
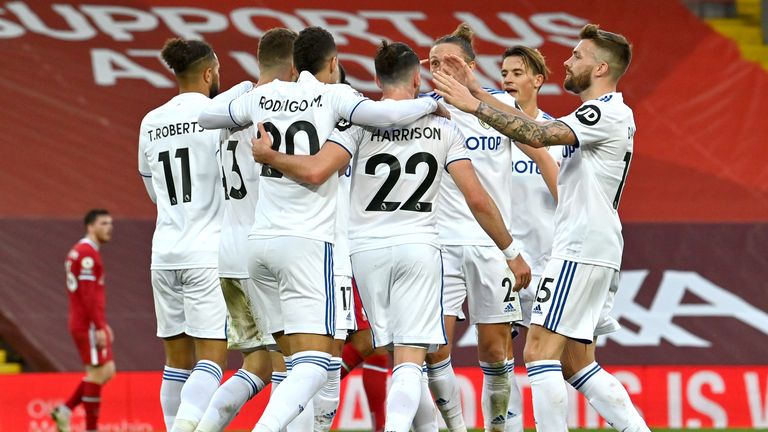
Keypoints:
pixel 491 352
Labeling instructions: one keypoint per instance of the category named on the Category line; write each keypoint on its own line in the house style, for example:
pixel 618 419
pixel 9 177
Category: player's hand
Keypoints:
pixel 456 67
pixel 442 111
pixel 101 338
pixel 455 93
pixel 522 273
pixel 110 334
pixel 262 146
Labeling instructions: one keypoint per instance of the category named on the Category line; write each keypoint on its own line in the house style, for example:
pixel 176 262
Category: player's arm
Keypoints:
pixel 144 171
pixel 384 113
pixel 314 169
pixel 508 120
pixel 546 163
pixel 488 216
pixel 224 110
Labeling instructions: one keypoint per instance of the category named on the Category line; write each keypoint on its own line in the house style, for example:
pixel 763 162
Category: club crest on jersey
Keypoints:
pixel 588 114
pixel 484 124
pixel 87 263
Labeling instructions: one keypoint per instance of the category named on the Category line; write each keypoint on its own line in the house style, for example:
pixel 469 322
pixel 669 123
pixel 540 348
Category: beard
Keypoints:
pixel 213 91
pixel 577 83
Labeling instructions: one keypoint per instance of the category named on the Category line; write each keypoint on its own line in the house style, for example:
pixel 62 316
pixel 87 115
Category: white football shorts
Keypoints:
pixel 575 300
pixel 401 288
pixel 293 277
pixel 482 273
pixel 345 307
pixel 189 301
pixel 246 327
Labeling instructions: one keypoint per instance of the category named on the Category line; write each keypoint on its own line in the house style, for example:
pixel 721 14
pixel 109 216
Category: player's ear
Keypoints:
pixel 538 81
pixel 208 75
pixel 333 65
pixel 602 69
pixel 378 82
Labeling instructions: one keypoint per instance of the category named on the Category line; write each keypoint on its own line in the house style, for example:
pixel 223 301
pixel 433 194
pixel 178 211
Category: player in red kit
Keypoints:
pixel 87 323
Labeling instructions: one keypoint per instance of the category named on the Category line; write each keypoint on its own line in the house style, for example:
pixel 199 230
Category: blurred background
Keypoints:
pixel 77 78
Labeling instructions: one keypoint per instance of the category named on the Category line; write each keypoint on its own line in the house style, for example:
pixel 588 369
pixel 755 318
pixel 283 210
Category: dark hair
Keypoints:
pixel 94 214
pixel 462 37
pixel 531 57
pixel 616 46
pixel 181 54
pixel 342 75
pixel 312 49
pixel 276 47
pixel 395 62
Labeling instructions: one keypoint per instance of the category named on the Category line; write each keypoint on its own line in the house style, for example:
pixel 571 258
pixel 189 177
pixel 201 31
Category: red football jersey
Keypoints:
pixel 85 283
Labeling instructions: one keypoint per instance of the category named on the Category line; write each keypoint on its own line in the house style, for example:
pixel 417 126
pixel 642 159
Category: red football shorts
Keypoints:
pixel 360 317
pixel 85 341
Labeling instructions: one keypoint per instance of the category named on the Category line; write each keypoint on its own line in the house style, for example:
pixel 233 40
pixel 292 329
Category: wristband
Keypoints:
pixel 512 251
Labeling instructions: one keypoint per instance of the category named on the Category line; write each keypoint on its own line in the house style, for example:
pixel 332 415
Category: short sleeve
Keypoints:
pixel 589 123
pixel 457 149
pixel 144 169
pixel 84 267
pixel 239 111
pixel 348 138
pixel 345 99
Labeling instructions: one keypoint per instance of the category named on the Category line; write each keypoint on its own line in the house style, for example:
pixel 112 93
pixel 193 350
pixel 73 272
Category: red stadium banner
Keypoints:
pixel 80 75
pixel 667 396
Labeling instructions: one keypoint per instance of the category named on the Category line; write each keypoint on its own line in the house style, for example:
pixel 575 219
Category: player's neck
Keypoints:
pixel 201 88
pixel 397 93
pixel 93 239
pixel 596 90
pixel 529 108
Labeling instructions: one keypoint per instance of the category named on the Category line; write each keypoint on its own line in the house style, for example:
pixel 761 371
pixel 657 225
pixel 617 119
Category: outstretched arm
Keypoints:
pixel 488 216
pixel 218 113
pixel 314 169
pixel 510 122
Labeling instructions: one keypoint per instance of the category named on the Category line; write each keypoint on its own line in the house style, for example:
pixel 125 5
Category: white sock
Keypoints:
pixel 326 401
pixel 228 400
pixel 196 394
pixel 403 397
pixel 515 406
pixel 495 396
pixel 550 397
pixel 308 373
pixel 277 378
pixel 608 397
pixel 425 419
pixel 445 389
pixel 170 392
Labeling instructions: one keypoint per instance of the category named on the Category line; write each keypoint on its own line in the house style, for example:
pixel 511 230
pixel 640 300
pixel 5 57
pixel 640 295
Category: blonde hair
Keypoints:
pixel 462 37
pixel 532 58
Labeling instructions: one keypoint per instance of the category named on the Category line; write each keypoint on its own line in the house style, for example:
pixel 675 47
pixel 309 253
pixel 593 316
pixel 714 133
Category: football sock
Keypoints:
pixel 445 390
pixel 308 373
pixel 425 419
pixel 196 395
pixel 326 401
pixel 170 393
pixel 403 398
pixel 375 375
pixel 608 397
pixel 277 378
pixel 550 398
pixel 228 399
pixel 76 397
pixel 350 358
pixel 495 395
pixel 91 402
pixel 515 407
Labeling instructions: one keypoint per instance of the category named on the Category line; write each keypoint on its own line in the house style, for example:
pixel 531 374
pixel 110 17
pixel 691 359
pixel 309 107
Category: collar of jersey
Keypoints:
pixel 90 242
pixel 305 75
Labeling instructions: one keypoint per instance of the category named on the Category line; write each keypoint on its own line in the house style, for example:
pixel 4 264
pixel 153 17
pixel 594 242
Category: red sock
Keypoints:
pixel 91 403
pixel 350 358
pixel 375 373
pixel 76 397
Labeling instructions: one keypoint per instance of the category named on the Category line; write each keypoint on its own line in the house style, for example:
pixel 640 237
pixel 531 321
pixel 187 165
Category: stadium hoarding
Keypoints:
pixel 668 396
pixel 91 70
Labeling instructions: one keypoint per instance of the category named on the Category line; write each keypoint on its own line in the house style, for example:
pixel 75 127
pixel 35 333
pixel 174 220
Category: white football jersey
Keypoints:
pixel 592 176
pixel 396 180
pixel 180 156
pixel 341 264
pixel 300 117
pixel 240 177
pixel 533 206
pixel 491 155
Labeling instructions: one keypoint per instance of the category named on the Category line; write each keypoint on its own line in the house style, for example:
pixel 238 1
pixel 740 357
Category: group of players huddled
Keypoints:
pixel 408 206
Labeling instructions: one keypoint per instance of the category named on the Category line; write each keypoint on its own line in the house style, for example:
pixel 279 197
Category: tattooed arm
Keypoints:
pixel 524 130
pixel 506 119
